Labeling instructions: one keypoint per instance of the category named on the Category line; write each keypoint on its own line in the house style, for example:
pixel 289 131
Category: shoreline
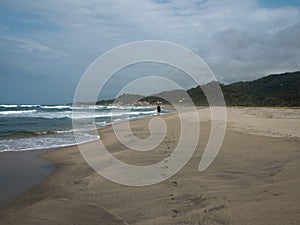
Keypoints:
pixel 202 119
pixel 224 192
pixel 8 194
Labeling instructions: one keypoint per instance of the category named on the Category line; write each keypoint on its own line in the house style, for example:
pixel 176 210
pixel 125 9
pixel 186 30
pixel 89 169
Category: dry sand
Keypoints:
pixel 255 179
pixel 265 121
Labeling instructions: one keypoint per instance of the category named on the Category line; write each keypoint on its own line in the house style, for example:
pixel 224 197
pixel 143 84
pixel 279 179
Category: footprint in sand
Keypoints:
pixel 171 197
pixel 168 146
pixel 174 212
pixel 206 209
pixel 164 168
pixel 174 183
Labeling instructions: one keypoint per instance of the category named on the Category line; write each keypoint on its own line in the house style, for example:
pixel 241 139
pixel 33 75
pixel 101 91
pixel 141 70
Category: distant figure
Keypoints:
pixel 158 109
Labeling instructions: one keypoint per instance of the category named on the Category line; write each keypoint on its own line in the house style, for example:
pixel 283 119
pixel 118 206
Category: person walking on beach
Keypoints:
pixel 158 109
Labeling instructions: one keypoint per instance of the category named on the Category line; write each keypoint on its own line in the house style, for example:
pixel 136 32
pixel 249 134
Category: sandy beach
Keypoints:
pixel 255 178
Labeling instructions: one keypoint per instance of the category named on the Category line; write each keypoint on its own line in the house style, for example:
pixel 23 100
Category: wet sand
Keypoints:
pixel 255 179
pixel 20 171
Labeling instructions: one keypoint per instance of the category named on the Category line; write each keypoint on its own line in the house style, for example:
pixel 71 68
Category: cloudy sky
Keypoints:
pixel 45 46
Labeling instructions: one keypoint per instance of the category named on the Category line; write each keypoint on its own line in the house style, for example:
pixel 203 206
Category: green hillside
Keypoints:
pixel 272 90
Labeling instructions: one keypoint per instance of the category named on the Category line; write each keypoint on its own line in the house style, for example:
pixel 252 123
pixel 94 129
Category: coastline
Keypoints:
pixel 250 173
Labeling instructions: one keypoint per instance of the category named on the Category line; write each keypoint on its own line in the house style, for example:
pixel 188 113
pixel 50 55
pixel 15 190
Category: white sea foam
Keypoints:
pixel 8 106
pixel 14 112
pixel 55 106
pixel 68 114
pixel 88 107
pixel 52 141
pixel 29 106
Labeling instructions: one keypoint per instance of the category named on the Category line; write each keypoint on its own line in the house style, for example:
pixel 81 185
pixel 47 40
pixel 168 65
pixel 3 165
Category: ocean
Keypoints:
pixel 31 127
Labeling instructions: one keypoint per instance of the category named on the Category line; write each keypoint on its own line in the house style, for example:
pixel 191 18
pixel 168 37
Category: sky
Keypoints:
pixel 46 46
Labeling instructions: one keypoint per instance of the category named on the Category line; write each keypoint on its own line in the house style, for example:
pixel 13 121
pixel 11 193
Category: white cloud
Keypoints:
pixel 238 39
pixel 28 45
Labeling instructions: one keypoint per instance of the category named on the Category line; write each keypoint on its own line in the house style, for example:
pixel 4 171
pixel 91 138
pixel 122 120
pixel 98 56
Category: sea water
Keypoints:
pixel 30 127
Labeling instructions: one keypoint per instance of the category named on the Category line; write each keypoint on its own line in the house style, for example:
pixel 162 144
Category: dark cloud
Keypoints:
pixel 236 55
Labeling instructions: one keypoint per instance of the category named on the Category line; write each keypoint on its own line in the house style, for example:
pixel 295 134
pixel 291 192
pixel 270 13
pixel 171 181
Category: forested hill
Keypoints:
pixel 273 90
